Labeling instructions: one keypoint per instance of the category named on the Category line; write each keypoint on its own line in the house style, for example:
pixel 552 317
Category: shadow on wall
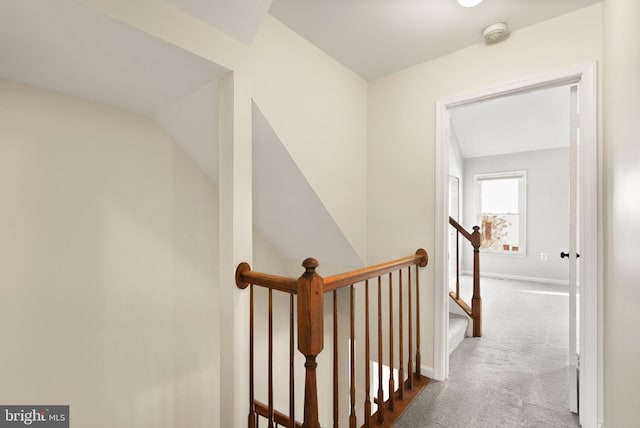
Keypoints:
pixel 287 211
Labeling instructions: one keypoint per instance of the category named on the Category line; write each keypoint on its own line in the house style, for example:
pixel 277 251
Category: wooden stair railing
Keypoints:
pixel 309 291
pixel 475 310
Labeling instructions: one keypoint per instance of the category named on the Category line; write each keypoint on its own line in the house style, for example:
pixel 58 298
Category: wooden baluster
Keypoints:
pixel 410 319
pixel 252 408
pixel 380 389
pixel 310 335
pixel 292 384
pixel 367 379
pixel 352 416
pixel 391 382
pixel 401 343
pixel 335 359
pixel 457 264
pixel 270 370
pixel 418 357
pixel 476 301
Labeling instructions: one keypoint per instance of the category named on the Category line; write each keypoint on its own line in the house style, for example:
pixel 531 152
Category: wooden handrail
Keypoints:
pixel 421 258
pixel 308 291
pixel 245 276
pixel 474 238
pixel 475 309
pixel 278 417
pixel 463 305
pixel 461 229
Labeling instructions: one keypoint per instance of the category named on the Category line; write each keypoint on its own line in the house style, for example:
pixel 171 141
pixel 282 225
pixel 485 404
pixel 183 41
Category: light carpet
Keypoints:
pixel 516 375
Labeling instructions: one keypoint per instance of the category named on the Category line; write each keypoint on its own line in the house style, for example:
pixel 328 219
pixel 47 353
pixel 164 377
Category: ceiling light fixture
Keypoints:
pixel 469 3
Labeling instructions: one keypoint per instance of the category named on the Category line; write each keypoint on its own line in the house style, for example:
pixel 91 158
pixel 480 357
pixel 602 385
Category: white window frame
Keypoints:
pixel 522 207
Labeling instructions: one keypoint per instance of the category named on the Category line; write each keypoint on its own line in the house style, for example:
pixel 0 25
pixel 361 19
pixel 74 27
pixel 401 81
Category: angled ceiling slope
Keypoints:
pixel 286 210
pixel 67 47
pixel 240 19
pixel 70 48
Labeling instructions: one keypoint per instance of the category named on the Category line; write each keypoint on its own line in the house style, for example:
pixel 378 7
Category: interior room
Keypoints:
pixel 224 214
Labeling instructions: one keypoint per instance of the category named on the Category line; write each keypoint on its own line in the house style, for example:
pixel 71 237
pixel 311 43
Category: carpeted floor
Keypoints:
pixel 516 375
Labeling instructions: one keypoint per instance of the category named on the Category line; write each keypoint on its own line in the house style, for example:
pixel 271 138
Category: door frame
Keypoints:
pixel 590 267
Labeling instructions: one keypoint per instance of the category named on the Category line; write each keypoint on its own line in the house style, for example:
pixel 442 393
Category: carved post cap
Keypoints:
pixel 476 238
pixel 310 264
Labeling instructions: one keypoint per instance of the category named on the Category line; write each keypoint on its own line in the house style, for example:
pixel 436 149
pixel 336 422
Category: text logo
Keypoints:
pixel 34 416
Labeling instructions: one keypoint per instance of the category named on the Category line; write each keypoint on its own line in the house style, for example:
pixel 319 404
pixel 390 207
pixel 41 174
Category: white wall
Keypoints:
pixel 547 213
pixel 192 122
pixel 286 209
pixel 456 160
pixel 621 211
pixel 456 169
pixel 401 193
pixel 110 275
pixel 235 232
pixel 318 109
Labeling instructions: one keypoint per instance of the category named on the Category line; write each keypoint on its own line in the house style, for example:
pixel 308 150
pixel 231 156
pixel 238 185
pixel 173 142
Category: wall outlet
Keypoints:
pixel 544 257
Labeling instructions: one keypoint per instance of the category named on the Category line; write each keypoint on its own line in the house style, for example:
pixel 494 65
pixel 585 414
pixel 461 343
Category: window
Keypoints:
pixel 501 211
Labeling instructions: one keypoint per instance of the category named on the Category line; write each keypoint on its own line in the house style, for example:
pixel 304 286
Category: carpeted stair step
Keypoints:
pixel 457 330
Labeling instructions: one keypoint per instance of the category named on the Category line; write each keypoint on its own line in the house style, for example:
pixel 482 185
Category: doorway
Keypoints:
pixel 589 344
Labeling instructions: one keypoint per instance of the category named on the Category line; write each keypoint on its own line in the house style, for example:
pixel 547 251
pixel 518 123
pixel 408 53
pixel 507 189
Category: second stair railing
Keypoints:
pixel 474 311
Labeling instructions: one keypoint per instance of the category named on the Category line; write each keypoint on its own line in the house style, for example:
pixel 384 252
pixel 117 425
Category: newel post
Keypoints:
pixel 310 335
pixel 476 301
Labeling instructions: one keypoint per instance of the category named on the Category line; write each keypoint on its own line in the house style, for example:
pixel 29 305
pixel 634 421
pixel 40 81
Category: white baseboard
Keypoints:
pixel 520 278
pixel 426 371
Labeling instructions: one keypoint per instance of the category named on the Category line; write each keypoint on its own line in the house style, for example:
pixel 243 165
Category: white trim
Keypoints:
pixel 574 198
pixel 591 389
pixel 427 371
pixel 441 270
pixel 520 277
pixel 521 175
pixel 591 385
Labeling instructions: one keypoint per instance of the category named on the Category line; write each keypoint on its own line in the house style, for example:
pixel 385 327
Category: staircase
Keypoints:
pixel 474 311
pixel 391 292
pixel 458 325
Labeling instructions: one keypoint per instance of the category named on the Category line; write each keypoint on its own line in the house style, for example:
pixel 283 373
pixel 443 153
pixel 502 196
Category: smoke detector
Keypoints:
pixel 495 32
